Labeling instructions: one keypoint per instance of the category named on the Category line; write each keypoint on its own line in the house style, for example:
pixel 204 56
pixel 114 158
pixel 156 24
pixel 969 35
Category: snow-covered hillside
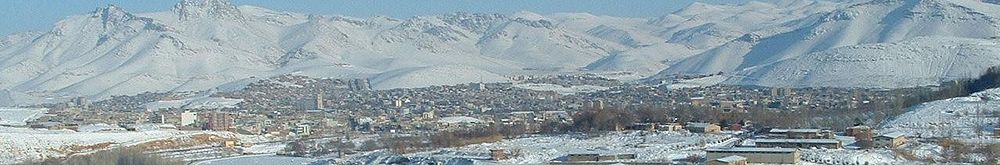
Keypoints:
pixel 201 44
pixel 848 43
pixel 962 117
pixel 916 62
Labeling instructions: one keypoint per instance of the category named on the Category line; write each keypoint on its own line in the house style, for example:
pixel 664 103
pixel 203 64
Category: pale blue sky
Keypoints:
pixel 40 15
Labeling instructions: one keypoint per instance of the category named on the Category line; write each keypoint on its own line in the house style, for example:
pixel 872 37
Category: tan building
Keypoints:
pixel 757 155
pixel 890 140
pixel 729 160
pixel 703 128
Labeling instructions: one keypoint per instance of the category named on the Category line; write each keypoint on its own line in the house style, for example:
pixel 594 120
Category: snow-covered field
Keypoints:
pixel 22 144
pixel 19 116
pixel 561 89
pixel 648 146
pixel 846 156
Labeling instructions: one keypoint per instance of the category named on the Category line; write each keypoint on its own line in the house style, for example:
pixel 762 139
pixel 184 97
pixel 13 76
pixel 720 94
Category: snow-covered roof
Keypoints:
pixel 827 141
pixel 730 159
pixel 893 135
pixel 749 149
pixel 459 119
pixel 698 124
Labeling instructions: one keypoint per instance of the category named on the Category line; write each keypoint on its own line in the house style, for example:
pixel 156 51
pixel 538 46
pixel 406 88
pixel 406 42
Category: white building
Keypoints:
pixel 188 118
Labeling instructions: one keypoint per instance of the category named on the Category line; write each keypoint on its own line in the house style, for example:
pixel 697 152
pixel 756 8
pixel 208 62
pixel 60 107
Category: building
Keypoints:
pixel 798 143
pixel 729 160
pixel 800 133
pixel 703 128
pixel 319 101
pixel 188 118
pixel 670 127
pixel 590 157
pixel 218 121
pixel 498 154
pixel 757 155
pixel 890 140
pixel 855 131
pixel 863 135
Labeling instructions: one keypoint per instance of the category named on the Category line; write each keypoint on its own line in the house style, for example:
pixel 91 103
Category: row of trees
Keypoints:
pixel 130 155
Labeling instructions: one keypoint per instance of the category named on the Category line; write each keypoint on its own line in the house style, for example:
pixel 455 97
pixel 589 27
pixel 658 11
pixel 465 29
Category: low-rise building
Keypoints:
pixel 670 127
pixel 593 157
pixel 703 128
pixel 798 143
pixel 800 133
pixel 757 155
pixel 729 160
pixel 890 140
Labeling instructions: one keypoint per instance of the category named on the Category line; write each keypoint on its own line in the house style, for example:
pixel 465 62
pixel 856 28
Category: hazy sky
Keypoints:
pixel 40 15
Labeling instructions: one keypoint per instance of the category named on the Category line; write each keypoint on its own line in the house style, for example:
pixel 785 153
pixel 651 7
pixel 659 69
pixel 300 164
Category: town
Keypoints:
pixel 751 124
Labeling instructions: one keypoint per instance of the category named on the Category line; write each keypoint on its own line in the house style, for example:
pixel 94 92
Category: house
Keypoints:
pixel 799 143
pixel 756 155
pixel 670 127
pixel 703 128
pixel 890 140
pixel 729 160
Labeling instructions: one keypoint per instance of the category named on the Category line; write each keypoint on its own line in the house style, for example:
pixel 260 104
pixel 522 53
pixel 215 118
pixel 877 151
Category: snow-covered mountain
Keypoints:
pixel 205 44
pixel 881 43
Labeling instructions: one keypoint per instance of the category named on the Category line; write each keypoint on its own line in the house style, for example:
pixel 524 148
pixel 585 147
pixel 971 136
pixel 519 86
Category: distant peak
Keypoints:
pixel 195 9
pixel 112 15
pixel 528 15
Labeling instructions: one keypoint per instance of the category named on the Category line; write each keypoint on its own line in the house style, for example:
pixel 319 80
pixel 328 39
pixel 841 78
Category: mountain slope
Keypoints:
pixel 879 21
pixel 917 62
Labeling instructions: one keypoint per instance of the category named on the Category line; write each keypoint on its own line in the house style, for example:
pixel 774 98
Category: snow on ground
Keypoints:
pixel 844 156
pixel 648 146
pixel 962 117
pixel 22 144
pixel 561 89
pixel 459 119
pixel 698 82
pixel 259 159
pixel 196 102
pixel 20 116
pixel 267 148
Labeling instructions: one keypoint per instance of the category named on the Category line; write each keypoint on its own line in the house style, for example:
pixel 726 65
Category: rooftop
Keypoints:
pixel 893 135
pixel 796 141
pixel 749 149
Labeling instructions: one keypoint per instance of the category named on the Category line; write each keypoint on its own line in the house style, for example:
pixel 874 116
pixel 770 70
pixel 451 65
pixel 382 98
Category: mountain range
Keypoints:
pixel 201 45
